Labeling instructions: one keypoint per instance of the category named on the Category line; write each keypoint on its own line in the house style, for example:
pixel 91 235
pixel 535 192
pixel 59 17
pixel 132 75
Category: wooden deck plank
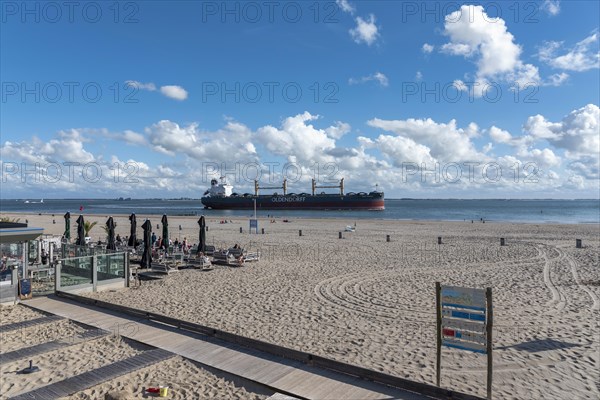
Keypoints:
pixel 50 346
pixel 92 378
pixel 29 323
pixel 280 374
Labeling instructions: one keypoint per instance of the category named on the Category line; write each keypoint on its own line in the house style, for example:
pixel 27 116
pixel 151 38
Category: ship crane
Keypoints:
pixel 340 186
pixel 257 187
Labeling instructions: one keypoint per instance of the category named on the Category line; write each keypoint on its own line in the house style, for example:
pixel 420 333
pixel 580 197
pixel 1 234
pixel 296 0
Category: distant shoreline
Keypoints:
pixel 244 219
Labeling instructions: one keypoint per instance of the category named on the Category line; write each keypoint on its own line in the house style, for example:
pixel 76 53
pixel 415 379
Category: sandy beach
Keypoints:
pixel 371 303
pixel 185 379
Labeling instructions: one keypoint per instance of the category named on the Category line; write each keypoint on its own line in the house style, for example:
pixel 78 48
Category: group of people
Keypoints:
pixel 160 243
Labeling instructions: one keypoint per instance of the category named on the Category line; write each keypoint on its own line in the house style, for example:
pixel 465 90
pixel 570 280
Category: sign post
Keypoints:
pixel 465 321
pixel 438 312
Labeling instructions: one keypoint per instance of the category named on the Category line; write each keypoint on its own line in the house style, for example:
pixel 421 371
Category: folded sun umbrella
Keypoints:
pixel 132 242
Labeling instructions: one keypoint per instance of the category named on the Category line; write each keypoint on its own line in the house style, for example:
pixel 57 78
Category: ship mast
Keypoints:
pixel 257 187
pixel 340 186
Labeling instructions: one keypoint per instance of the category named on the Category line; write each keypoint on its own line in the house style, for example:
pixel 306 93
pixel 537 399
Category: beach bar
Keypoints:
pixel 14 246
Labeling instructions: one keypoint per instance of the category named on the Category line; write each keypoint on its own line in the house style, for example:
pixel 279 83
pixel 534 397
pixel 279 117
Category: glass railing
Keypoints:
pixel 76 271
pixel 111 266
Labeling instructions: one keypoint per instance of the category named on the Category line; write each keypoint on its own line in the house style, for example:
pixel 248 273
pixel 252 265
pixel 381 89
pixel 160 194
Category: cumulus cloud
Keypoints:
pixel 345 6
pixel 427 48
pixel 231 142
pixel 171 91
pixel 577 133
pixel 487 41
pixel 366 31
pixel 582 57
pixel 174 92
pixel 552 7
pixel 297 137
pixel 440 141
pixel 564 151
pixel 142 86
pixel 378 77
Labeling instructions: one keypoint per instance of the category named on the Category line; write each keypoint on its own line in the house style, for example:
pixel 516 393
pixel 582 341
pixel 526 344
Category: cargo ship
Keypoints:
pixel 220 196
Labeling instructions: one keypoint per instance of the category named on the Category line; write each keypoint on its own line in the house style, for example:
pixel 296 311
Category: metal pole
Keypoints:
pixel 438 313
pixel 254 208
pixel 489 330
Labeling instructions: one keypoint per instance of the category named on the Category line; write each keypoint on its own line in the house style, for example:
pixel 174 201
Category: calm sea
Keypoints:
pixel 537 211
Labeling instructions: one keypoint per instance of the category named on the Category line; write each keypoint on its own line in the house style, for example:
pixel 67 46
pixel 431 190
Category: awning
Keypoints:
pixel 15 235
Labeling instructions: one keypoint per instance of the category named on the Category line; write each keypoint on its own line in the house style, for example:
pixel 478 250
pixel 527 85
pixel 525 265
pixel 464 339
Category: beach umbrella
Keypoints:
pixel 80 232
pixel 202 239
pixel 132 238
pixel 67 233
pixel 147 255
pixel 110 228
pixel 165 231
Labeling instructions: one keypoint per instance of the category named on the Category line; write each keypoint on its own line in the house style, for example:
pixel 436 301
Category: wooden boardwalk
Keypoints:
pixel 29 323
pixel 281 375
pixel 51 346
pixel 95 377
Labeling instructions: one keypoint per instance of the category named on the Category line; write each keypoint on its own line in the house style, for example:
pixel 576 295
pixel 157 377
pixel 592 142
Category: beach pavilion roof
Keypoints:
pixel 13 232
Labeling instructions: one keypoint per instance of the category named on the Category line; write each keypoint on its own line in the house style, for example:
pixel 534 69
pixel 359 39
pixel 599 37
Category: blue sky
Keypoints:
pixel 373 91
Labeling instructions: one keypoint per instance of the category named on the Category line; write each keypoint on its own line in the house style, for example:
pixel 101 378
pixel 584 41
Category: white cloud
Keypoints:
pixel 134 138
pixel 556 79
pixel 142 86
pixel 499 135
pixel 345 6
pixel 427 48
pixel 582 57
pixel 377 76
pixel 171 91
pixel 489 44
pixel 459 85
pixel 578 132
pixel 174 92
pixel 366 31
pixel 298 138
pixel 418 76
pixel 445 142
pixel 337 131
pixel 552 7
pixel 565 152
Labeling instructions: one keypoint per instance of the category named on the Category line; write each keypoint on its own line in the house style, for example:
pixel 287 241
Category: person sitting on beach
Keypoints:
pixel 237 246
pixel 118 239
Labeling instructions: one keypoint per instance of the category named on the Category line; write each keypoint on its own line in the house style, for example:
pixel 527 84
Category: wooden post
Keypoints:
pixel 300 232
pixel 340 235
pixel 387 238
pixel 489 329
pixel 578 243
pixel 438 314
pixel 439 240
pixel 502 242
pixel 241 230
pixel 263 230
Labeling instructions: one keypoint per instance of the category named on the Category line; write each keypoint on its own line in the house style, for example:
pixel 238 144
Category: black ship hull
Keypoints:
pixel 371 201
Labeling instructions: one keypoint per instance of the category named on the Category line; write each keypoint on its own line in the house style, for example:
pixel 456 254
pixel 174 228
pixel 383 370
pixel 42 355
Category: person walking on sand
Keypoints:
pixel 153 238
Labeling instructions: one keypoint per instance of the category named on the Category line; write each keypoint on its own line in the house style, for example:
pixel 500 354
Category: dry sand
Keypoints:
pixel 185 379
pixel 370 303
